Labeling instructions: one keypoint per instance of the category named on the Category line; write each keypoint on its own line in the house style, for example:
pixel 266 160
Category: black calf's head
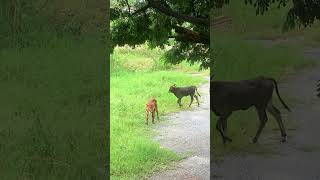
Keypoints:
pixel 172 88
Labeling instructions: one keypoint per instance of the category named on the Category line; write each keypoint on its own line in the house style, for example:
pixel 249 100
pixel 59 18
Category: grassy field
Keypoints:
pixel 52 111
pixel 53 90
pixel 237 58
pixel 136 75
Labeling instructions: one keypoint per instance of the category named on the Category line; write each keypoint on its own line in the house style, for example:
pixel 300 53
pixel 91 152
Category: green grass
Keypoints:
pixel 238 59
pixel 53 109
pixel 134 155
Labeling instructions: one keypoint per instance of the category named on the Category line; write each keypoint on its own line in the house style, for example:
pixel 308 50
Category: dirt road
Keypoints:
pixel 299 158
pixel 188 132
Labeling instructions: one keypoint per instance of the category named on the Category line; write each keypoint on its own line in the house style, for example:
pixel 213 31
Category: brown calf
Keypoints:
pixel 152 107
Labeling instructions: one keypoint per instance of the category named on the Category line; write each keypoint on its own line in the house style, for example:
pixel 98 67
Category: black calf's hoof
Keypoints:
pixel 284 139
pixel 225 140
pixel 254 141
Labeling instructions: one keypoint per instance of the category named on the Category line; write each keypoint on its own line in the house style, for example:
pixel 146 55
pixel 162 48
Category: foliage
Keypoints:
pixel 302 12
pixel 181 24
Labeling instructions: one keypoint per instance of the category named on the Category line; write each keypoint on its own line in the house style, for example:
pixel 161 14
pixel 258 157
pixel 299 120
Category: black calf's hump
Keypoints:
pixel 229 96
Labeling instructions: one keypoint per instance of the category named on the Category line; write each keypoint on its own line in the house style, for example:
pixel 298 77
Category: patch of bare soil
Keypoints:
pixel 188 132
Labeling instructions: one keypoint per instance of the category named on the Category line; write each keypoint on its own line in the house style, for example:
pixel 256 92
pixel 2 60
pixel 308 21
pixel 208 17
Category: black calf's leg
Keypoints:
pixel 179 102
pixel 197 99
pixel 191 96
pixel 219 127
pixel 263 120
pixel 277 115
pixel 225 126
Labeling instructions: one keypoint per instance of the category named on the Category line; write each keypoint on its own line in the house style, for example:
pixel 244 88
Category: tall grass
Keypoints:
pixel 53 111
pixel 134 154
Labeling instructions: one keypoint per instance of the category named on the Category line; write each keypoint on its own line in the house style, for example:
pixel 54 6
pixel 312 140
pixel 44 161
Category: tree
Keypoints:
pixel 183 24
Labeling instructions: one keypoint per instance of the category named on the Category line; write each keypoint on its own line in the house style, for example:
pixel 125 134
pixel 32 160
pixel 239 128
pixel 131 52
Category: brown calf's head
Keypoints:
pixel 152 99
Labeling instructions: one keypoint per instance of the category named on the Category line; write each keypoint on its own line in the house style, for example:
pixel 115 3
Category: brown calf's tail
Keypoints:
pixel 197 91
pixel 276 86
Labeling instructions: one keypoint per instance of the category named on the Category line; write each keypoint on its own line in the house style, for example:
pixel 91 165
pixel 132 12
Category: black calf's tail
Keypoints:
pixel 276 87
pixel 318 90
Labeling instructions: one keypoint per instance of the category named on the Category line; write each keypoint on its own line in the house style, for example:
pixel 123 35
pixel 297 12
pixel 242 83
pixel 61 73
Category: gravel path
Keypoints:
pixel 299 158
pixel 188 132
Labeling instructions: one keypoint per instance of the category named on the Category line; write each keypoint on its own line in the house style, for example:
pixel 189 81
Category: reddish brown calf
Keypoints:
pixel 152 107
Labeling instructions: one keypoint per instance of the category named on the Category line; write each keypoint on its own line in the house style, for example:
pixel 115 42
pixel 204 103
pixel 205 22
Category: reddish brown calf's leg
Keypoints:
pixel 156 109
pixel 147 116
pixel 152 113
pixel 157 114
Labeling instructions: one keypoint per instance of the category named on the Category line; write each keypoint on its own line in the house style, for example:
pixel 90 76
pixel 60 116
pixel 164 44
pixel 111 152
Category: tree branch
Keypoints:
pixel 195 36
pixel 187 35
pixel 128 6
pixel 164 8
pixel 143 9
